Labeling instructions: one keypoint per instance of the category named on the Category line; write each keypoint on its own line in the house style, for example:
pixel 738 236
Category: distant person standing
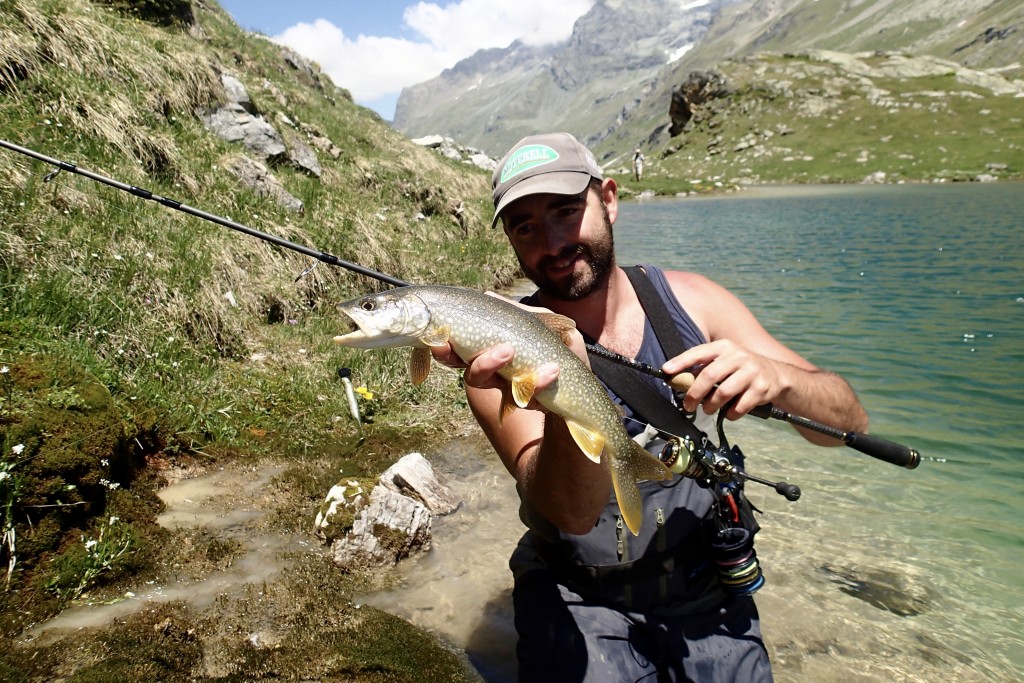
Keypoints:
pixel 638 164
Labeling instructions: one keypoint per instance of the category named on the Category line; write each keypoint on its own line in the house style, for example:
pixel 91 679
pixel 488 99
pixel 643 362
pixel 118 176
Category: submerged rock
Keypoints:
pixel 892 591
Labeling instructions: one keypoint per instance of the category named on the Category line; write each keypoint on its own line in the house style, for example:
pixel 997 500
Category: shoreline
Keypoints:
pixel 795 189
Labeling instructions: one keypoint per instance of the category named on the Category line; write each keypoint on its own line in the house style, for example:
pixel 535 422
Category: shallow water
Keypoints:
pixel 198 502
pixel 915 295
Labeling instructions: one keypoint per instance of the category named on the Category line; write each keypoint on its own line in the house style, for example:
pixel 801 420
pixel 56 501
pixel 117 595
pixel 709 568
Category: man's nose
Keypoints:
pixel 555 238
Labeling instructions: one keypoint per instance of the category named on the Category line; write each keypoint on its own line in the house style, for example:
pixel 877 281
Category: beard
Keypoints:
pixel 597 257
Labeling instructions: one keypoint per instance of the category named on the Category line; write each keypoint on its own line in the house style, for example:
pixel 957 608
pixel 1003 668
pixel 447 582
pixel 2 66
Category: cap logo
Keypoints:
pixel 526 158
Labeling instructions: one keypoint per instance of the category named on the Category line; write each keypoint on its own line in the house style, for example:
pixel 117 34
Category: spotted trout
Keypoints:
pixel 426 316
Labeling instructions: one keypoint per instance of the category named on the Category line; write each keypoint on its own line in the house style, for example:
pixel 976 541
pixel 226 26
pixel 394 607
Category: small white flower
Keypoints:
pixel 112 520
pixel 4 476
pixel 4 370
pixel 104 462
pixel 89 545
pixel 18 449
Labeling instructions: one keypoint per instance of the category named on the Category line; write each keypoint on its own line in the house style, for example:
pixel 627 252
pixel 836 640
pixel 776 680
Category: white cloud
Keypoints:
pixel 473 24
pixel 373 67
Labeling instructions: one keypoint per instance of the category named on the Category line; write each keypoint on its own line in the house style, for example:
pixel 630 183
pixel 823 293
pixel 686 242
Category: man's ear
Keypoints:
pixel 610 197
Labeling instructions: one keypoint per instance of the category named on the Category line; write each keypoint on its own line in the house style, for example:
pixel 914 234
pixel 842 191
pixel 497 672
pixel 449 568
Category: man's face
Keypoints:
pixel 563 242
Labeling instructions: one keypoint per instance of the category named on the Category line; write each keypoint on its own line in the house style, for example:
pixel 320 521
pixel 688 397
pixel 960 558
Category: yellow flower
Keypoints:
pixel 365 393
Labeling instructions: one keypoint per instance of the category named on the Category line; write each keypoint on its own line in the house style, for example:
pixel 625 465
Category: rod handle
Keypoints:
pixel 681 382
pixel 883 449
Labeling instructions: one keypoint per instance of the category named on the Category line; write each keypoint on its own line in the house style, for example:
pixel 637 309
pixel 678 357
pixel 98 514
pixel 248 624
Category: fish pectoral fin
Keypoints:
pixel 419 365
pixel 437 336
pixel 524 386
pixel 589 441
pixel 559 324
pixel 627 469
pixel 508 404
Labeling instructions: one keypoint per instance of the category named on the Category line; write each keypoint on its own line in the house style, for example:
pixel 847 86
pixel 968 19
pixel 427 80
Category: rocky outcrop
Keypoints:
pixel 240 120
pixel 689 97
pixel 449 148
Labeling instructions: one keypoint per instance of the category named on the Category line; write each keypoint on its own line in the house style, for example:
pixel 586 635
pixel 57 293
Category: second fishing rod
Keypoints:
pixel 874 446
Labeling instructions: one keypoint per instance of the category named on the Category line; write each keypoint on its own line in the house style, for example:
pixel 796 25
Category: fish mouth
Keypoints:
pixel 350 330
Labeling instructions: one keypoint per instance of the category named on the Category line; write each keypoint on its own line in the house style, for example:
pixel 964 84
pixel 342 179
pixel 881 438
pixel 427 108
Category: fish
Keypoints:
pixel 425 316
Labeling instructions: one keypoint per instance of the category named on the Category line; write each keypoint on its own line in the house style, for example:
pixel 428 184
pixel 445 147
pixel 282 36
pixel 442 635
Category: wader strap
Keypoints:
pixel 654 306
pixel 647 403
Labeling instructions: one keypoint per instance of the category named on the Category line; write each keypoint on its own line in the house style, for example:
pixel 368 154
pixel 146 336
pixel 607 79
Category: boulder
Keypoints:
pixel 388 529
pixel 370 525
pixel 414 476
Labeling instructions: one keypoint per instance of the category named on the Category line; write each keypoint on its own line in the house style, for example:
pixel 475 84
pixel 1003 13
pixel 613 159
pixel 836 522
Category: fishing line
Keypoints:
pixel 871 445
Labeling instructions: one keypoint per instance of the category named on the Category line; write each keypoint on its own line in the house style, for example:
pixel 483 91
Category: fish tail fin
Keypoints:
pixel 627 468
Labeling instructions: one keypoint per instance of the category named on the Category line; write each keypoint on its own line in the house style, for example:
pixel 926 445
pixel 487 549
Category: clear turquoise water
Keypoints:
pixel 915 294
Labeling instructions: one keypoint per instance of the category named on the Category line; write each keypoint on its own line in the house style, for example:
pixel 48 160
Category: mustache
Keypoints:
pixel 566 253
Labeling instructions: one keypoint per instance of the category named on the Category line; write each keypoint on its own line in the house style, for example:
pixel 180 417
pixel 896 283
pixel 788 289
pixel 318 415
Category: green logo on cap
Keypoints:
pixel 526 158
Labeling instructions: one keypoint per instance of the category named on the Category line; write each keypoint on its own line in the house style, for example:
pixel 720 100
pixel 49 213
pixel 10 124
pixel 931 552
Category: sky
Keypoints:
pixel 374 48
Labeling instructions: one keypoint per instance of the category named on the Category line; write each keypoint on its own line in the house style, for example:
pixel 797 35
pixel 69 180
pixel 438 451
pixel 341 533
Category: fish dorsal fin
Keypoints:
pixel 559 324
pixel 437 336
pixel 419 365
pixel 523 388
pixel 508 404
pixel 589 441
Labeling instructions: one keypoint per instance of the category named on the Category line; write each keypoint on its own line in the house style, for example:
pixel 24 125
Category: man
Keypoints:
pixel 592 602
pixel 638 164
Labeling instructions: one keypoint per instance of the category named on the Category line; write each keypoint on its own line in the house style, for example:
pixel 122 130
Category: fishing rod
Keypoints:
pixel 870 445
pixel 876 447
pixel 185 208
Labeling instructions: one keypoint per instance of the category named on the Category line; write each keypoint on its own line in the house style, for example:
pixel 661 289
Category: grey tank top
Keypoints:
pixel 673 510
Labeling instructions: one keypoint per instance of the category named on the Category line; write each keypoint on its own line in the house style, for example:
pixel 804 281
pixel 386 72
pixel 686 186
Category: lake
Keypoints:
pixel 915 294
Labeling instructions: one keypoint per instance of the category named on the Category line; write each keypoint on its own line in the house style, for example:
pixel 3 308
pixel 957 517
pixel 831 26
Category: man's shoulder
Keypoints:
pixel 687 280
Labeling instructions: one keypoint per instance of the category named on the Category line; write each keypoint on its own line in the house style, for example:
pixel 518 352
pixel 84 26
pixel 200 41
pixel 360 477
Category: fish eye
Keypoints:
pixel 367 304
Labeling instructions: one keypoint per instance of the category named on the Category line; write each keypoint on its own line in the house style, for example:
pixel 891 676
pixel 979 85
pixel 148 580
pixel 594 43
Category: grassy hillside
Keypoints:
pixel 820 117
pixel 132 335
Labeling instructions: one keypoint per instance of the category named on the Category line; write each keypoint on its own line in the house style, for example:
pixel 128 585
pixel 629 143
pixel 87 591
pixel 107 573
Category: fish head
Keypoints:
pixel 397 317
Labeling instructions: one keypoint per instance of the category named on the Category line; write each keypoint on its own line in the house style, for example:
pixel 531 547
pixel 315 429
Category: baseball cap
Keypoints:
pixel 552 163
